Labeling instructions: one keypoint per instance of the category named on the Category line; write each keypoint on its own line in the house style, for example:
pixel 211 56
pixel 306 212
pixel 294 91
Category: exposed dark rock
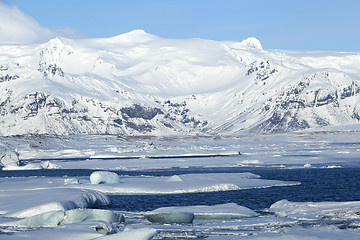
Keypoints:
pixel 8 77
pixel 138 111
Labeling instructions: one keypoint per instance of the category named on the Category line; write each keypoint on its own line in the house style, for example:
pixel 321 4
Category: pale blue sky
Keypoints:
pixel 281 24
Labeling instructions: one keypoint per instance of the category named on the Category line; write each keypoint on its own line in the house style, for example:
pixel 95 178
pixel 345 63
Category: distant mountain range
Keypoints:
pixel 137 83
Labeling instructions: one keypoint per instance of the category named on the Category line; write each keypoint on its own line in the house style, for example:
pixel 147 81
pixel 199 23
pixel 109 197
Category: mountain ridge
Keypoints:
pixel 137 83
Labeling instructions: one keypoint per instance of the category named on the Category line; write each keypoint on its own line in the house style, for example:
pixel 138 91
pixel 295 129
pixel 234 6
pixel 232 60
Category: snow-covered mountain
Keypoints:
pixel 137 83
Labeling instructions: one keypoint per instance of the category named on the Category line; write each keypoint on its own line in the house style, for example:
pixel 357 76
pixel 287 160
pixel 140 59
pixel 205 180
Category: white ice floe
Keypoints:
pixel 104 177
pixel 186 214
pixel 190 183
pixel 315 210
pixel 226 211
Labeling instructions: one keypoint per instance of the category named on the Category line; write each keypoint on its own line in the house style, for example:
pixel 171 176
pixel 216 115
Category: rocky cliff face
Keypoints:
pixel 137 83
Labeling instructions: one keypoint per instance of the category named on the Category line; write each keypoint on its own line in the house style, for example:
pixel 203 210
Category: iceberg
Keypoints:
pixel 104 177
pixel 9 158
pixel 170 217
pixel 49 165
pixel 81 215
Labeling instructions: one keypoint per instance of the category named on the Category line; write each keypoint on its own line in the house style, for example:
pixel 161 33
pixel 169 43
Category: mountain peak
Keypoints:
pixel 137 35
pixel 252 42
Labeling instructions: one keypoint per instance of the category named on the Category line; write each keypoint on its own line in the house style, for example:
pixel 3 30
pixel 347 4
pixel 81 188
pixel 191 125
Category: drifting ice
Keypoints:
pixel 104 177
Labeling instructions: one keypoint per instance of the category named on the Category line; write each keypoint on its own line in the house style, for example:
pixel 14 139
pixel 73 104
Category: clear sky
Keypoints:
pixel 278 24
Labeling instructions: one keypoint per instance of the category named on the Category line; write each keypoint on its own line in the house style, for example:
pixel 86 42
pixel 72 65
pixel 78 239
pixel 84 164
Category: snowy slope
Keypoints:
pixel 137 83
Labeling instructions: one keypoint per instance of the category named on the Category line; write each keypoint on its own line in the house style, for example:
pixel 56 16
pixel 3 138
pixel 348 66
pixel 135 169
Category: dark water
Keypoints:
pixel 317 185
pixel 340 184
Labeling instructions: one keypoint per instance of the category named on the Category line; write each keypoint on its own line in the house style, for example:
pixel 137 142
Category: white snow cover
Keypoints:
pixel 137 83
pixel 104 177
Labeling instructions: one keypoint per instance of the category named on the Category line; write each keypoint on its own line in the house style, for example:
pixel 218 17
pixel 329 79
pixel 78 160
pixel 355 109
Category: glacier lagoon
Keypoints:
pixel 324 205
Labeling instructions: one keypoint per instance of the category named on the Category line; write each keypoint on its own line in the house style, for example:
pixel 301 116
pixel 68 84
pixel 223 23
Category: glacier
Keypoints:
pixel 140 84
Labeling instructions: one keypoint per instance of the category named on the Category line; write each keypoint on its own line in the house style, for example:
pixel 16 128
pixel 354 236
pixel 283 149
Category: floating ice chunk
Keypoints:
pixel 49 165
pixel 333 166
pixel 104 177
pixel 308 165
pixel 170 217
pixel 9 158
pixel 80 215
pixel 71 181
pixel 136 234
pixel 226 211
pixel 48 219
pixel 174 178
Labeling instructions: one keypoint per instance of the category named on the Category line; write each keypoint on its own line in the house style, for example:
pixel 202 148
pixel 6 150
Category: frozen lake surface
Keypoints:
pixel 317 174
